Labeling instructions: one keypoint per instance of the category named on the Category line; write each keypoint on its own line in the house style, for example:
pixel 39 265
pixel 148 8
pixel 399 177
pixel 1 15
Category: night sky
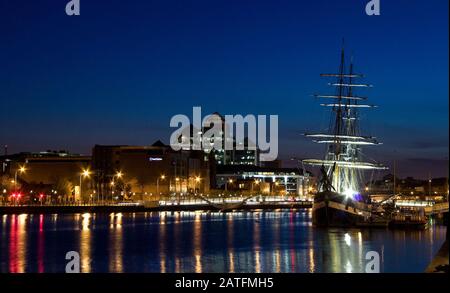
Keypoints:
pixel 120 71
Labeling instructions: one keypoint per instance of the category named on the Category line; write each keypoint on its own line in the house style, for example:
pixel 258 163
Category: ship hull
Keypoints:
pixel 408 225
pixel 328 213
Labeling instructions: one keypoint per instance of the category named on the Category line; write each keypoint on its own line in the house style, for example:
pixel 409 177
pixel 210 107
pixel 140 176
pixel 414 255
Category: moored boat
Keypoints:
pixel 339 201
pixel 409 221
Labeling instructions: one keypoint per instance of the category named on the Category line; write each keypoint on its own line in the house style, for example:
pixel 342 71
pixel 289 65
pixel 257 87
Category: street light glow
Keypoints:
pixel 349 193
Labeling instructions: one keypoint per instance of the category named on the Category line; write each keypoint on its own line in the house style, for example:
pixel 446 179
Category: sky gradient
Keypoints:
pixel 117 73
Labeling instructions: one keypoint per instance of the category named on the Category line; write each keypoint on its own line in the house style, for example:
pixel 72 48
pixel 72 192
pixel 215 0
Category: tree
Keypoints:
pixel 6 182
pixel 63 187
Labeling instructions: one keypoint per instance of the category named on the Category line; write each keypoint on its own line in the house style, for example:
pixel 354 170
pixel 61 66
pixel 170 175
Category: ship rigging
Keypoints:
pixel 343 161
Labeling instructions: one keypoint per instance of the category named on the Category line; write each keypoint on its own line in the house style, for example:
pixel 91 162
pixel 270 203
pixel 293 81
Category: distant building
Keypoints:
pixel 236 156
pixel 435 189
pixel 276 164
pixel 149 170
pixel 221 157
pixel 240 154
pixel 280 181
pixel 51 172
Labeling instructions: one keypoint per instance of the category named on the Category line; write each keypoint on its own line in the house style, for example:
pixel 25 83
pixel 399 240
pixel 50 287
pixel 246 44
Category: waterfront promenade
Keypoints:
pixel 149 206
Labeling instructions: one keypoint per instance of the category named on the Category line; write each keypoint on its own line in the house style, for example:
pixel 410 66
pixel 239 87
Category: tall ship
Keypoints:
pixel 341 200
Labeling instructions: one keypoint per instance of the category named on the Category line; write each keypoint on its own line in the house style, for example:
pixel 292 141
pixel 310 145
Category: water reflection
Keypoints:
pixel 176 237
pixel 85 244
pixel 162 242
pixel 201 242
pixel 116 243
pixel 198 243
pixel 230 243
pixel 256 244
pixel 312 267
pixel 41 245
pixel 17 243
pixel 277 254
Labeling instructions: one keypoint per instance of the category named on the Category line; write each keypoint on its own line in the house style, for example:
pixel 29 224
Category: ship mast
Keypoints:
pixel 344 141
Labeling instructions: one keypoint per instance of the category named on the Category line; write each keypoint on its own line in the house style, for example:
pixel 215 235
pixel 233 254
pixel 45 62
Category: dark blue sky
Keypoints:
pixel 120 71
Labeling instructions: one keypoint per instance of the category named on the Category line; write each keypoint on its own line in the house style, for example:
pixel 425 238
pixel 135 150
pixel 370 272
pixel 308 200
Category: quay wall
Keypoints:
pixel 134 209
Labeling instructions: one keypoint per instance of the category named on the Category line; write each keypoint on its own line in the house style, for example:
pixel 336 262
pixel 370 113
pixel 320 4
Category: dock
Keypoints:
pixel 147 207
pixel 440 262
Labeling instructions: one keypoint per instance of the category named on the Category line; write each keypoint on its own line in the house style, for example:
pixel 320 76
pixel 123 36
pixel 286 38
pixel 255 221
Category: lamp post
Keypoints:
pixel 176 193
pixel 429 184
pixel 84 174
pixel 226 184
pixel 118 175
pixel 275 184
pixel 21 170
pixel 112 189
pixel 162 177
pixel 197 180
pixel 255 182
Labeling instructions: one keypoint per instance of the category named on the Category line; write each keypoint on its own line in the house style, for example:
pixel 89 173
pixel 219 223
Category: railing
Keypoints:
pixel 222 201
pixel 71 204
pixel 176 200
pixel 437 208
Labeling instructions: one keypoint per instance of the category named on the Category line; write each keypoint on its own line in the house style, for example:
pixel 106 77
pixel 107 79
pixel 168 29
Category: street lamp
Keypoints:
pixel 197 180
pixel 226 184
pixel 176 184
pixel 162 177
pixel 84 174
pixel 274 189
pixel 255 182
pixel 118 175
pixel 21 170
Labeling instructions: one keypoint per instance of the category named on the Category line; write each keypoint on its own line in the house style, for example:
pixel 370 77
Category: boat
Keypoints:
pixel 224 206
pixel 340 200
pixel 412 220
pixel 331 209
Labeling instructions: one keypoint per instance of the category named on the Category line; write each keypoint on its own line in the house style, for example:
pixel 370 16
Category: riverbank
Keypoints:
pixel 440 263
pixel 265 241
pixel 70 209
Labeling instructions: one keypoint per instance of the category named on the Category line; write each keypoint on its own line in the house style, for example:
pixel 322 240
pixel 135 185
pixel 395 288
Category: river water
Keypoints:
pixel 259 241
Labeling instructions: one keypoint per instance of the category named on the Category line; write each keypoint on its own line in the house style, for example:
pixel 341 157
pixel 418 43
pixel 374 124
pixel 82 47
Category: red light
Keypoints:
pixel 14 195
pixel 19 195
pixel 41 195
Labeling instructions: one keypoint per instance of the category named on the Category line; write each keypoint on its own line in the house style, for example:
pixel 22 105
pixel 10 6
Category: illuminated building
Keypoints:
pixel 148 170
pixel 264 180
